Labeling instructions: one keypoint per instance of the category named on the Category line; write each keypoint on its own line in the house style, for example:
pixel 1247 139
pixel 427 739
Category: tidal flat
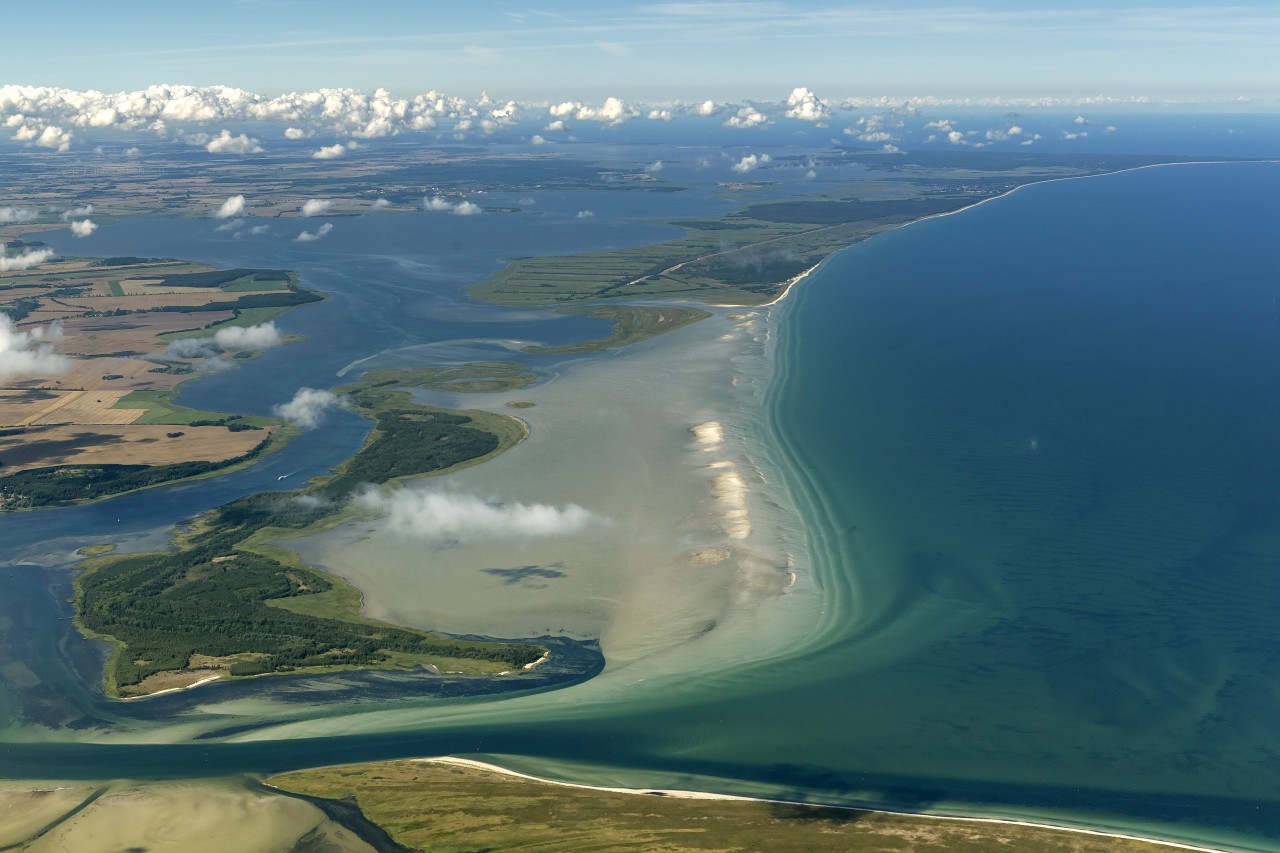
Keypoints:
pixel 680 532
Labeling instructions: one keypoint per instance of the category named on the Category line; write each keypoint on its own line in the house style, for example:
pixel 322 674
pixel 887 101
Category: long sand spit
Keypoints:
pixel 678 793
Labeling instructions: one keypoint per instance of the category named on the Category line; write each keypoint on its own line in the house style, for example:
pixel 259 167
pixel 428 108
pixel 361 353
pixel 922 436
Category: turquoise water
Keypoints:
pixel 1037 446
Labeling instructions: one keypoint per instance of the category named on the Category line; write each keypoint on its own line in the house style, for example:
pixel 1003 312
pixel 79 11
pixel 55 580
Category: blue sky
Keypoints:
pixel 1185 51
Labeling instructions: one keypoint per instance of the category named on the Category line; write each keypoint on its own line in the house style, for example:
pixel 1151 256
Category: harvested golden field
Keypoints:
pixel 21 292
pixel 41 406
pixel 161 299
pixel 138 286
pixel 109 372
pixel 154 286
pixel 132 333
pixel 46 316
pixel 129 444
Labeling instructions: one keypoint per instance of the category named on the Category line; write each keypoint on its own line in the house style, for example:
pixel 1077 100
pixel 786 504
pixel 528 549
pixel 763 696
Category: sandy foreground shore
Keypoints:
pixel 707 795
pixel 226 814
pixel 164 817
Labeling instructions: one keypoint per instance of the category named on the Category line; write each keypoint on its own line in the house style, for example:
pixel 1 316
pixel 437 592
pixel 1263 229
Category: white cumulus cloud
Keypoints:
pixel 261 336
pixel 329 152
pixel 77 212
pixel 233 206
pixel 307 408
pixel 312 236
pixel 225 143
pixel 612 112
pixel 805 106
pixel 751 162
pixel 23 261
pixel 463 518
pixel 584 214
pixel 10 215
pixel 316 206
pixel 83 227
pixel 230 339
pixel 747 117
pixel 30 353
pixel 191 348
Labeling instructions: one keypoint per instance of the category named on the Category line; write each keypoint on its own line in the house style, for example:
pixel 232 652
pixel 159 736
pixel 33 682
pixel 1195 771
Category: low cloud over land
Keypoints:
pixel 10 215
pixel 23 260
pixel 233 206
pixel 443 205
pixel 231 339
pixel 462 518
pixel 30 352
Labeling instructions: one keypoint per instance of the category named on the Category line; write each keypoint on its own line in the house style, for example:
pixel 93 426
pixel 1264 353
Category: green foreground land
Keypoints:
pixel 228 602
pixel 450 809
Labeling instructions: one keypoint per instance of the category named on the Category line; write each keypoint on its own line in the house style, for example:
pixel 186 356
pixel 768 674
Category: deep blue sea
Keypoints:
pixel 1037 445
pixel 1043 440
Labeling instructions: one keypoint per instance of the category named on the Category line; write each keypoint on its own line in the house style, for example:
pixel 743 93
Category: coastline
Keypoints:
pixel 678 793
pixel 789 306
pixel 793 281
pixel 815 508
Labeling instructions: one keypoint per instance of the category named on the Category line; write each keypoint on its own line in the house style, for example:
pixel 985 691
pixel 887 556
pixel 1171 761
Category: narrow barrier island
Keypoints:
pixel 229 603
pixel 424 805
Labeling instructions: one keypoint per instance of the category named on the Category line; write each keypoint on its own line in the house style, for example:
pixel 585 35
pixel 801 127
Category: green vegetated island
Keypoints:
pixel 446 807
pixel 228 602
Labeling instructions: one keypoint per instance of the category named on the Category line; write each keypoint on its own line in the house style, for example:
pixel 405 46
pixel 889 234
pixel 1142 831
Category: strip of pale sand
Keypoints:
pixel 677 793
pixel 190 686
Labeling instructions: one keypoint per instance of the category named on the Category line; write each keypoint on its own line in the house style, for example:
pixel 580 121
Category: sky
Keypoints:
pixel 1189 52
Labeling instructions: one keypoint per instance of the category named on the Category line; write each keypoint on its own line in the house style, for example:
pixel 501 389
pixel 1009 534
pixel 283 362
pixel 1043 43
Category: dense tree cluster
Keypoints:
pixel 212 599
pixel 66 484
pixel 411 441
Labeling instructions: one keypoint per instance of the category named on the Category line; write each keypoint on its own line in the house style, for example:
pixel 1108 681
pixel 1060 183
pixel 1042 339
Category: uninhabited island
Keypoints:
pixel 229 602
